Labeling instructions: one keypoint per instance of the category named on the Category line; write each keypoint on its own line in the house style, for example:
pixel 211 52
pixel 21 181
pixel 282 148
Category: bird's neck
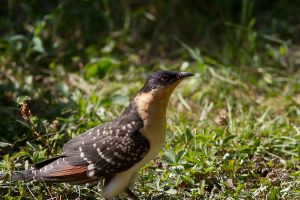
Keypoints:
pixel 152 107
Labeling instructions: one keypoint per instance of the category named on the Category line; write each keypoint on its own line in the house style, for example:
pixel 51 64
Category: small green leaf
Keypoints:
pixel 21 99
pixel 170 156
pixel 180 155
pixel 101 67
pixel 4 144
pixel 38 45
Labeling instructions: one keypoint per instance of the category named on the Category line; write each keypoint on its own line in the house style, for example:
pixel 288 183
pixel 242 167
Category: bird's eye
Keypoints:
pixel 164 78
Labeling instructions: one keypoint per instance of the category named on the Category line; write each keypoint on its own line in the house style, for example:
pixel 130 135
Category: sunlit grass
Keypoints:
pixel 227 137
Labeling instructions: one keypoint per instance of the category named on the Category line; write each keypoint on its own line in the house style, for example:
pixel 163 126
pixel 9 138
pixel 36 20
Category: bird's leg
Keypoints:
pixel 131 194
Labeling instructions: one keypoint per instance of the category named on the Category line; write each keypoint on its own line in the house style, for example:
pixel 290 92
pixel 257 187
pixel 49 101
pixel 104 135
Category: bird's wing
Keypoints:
pixel 99 152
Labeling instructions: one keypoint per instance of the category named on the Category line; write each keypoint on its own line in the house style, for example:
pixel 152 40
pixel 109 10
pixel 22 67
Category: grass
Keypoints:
pixel 227 138
pixel 233 129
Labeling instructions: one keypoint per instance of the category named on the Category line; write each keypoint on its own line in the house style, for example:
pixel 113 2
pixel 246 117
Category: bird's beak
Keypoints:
pixel 182 75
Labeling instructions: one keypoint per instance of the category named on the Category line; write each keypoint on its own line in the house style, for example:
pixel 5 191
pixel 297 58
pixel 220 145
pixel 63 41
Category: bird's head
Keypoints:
pixel 152 100
pixel 163 82
pixel 158 88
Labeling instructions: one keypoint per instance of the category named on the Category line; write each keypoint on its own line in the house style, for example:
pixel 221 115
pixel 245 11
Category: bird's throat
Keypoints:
pixel 152 107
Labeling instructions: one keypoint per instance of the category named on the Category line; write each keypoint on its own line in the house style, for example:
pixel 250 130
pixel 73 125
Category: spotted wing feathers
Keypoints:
pixel 100 152
pixel 108 149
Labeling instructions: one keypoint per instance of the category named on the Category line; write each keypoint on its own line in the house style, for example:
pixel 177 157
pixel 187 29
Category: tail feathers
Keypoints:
pixel 56 169
pixel 25 175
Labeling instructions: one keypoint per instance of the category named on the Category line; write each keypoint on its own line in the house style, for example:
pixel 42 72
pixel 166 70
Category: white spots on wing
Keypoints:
pixel 129 126
pixel 133 122
pixel 109 160
pixel 82 142
pixel 124 128
pixel 119 155
pixel 87 160
pixel 91 131
pixel 94 138
pixel 122 147
pixel 91 173
pixel 94 145
pixel 100 153
pixel 91 170
pixel 64 161
pixel 91 167
pixel 82 155
pixel 98 130
pixel 110 131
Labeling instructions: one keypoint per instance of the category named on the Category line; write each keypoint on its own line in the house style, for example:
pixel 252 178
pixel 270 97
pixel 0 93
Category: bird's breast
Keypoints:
pixel 154 131
pixel 152 110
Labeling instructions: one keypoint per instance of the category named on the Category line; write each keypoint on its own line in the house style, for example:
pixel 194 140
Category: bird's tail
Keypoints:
pixel 27 175
pixel 24 175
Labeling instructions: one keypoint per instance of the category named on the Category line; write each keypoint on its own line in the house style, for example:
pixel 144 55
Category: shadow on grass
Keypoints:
pixel 14 130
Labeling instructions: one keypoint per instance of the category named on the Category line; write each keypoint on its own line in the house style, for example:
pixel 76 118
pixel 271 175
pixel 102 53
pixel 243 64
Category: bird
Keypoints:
pixel 116 150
